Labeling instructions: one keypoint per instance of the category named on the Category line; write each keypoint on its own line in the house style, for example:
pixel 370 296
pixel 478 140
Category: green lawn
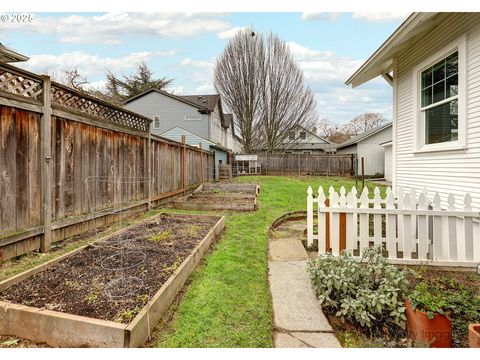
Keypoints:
pixel 227 303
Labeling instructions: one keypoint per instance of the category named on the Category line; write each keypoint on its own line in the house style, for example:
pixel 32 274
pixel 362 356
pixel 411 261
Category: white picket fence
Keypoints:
pixel 412 228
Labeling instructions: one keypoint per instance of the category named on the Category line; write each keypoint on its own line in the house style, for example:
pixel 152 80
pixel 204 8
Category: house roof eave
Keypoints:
pixel 381 61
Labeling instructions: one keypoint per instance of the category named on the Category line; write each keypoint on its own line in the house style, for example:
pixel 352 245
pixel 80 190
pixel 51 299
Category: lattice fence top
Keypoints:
pixel 72 100
pixel 20 84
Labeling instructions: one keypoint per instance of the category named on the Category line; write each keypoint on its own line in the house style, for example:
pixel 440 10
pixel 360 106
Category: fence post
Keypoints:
pixel 184 161
pixel 149 166
pixel 201 163
pixel 46 165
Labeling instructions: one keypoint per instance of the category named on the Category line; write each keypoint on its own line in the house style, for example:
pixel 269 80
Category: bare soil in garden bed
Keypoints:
pixel 113 279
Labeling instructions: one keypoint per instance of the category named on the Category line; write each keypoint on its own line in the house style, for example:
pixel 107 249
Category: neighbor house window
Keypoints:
pixel 291 135
pixel 440 94
pixel 440 100
pixel 303 135
pixel 156 122
pixel 193 117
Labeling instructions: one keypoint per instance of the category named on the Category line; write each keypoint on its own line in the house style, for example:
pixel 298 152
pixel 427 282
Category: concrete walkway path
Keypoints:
pixel 297 315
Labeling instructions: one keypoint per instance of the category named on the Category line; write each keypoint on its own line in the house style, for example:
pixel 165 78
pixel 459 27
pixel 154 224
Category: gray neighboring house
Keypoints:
pixel 368 146
pixel 303 141
pixel 199 117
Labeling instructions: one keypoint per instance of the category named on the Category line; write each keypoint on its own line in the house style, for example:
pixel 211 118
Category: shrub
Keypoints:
pixel 368 294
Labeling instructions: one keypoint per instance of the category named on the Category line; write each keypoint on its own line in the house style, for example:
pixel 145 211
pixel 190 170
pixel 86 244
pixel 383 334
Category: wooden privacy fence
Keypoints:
pixel 410 228
pixel 307 164
pixel 52 138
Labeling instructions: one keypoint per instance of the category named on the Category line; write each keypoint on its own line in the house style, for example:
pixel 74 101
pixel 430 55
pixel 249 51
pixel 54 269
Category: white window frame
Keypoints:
pixel 193 117
pixel 159 122
pixel 459 45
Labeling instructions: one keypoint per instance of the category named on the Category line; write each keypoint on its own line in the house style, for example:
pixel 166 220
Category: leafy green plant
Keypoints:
pixel 430 301
pixel 367 293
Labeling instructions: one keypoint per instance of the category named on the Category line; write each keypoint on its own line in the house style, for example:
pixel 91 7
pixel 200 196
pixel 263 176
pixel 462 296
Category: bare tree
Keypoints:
pixel 236 80
pixel 287 103
pixel 332 131
pixel 71 78
pixel 364 122
pixel 264 88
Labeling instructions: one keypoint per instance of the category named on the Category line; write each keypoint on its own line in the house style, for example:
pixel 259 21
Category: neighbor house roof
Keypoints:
pixel 206 101
pixel 314 134
pixel 8 55
pixel 209 142
pixel 185 99
pixel 381 61
pixel 360 137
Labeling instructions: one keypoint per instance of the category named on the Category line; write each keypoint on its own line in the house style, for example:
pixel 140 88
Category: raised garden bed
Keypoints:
pixel 111 293
pixel 221 196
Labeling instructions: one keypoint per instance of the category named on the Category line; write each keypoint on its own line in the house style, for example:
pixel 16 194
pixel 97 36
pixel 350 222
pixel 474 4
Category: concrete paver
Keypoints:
pixel 286 249
pixel 298 318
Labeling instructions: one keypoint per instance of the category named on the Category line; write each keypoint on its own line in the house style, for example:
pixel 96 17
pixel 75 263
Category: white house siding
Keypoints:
pixel 172 113
pixel 457 171
pixel 388 162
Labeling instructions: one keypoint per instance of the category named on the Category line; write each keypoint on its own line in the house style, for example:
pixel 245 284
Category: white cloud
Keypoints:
pixel 88 64
pixel 379 16
pixel 325 72
pixel 110 27
pixel 205 89
pixel 320 16
pixel 230 33
pixel 200 73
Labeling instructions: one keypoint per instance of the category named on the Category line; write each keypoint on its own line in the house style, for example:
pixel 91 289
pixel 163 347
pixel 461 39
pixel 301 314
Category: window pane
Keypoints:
pixel 426 78
pixel 452 64
pixel 439 71
pixel 438 91
pixel 452 86
pixel 427 96
pixel 441 123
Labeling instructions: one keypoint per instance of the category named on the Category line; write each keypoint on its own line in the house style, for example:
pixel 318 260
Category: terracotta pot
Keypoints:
pixel 474 335
pixel 436 332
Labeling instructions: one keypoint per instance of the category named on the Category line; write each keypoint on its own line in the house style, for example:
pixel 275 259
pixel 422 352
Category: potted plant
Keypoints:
pixel 474 335
pixel 428 317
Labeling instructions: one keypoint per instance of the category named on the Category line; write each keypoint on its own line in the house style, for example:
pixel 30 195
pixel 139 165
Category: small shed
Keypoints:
pixel 388 173
pixel 367 145
pixel 246 164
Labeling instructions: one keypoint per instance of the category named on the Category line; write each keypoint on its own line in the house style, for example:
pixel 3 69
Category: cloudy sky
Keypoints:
pixel 327 46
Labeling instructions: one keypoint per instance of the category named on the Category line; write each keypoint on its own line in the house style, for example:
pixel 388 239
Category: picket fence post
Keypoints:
pixel 309 216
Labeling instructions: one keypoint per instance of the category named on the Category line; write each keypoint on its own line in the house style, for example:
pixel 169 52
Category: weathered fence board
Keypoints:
pixel 411 228
pixel 307 164
pixel 89 138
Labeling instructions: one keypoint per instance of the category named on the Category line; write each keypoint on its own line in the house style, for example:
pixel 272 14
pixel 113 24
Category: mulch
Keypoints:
pixel 113 279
